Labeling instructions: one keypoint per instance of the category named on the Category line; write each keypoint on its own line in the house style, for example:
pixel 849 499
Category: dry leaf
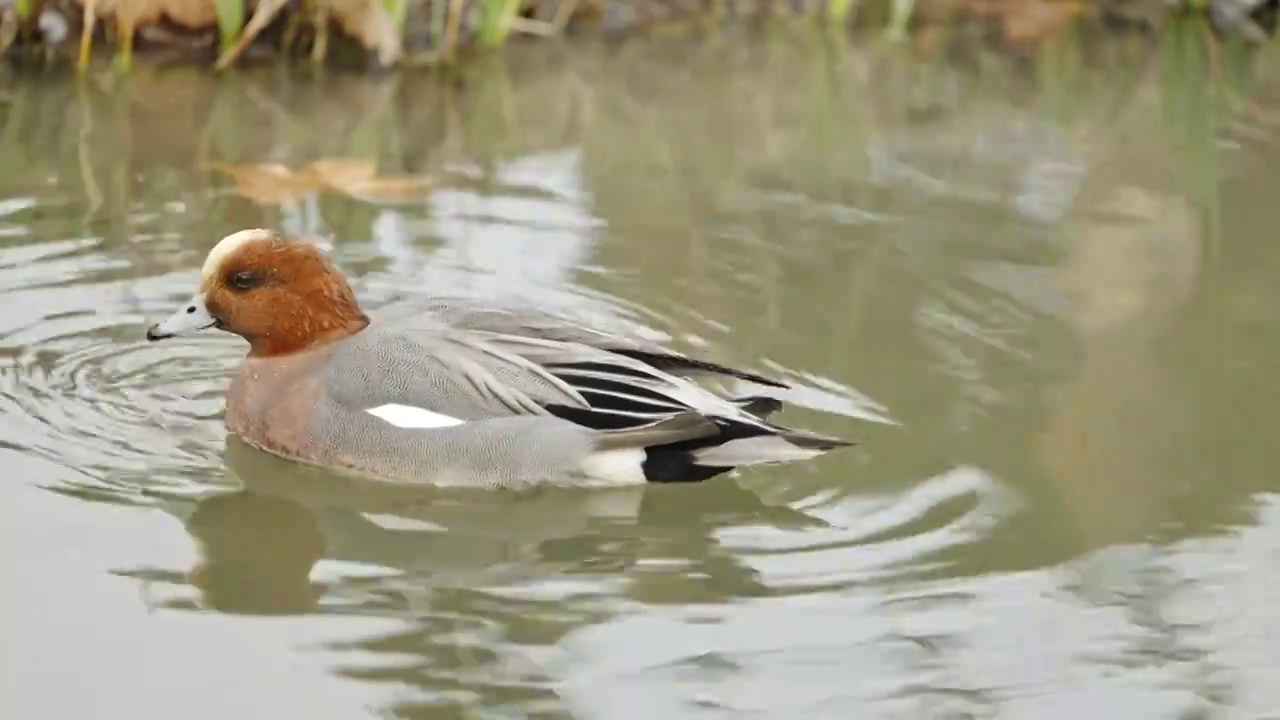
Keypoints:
pixel 369 23
pixel 1025 22
pixel 191 14
pixel 263 13
pixel 273 184
pixel 267 183
pixel 341 173
pixel 1038 20
pixel 357 178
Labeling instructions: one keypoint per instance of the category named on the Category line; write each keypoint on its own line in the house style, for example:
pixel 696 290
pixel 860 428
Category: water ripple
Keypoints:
pixel 79 385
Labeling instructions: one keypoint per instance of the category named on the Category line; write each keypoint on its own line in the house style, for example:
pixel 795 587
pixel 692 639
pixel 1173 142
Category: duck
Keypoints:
pixel 464 394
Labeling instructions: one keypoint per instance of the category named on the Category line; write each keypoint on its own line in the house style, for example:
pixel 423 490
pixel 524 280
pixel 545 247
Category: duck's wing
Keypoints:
pixel 541 397
pixel 539 325
pixel 626 396
pixel 447 377
pixel 621 392
pixel 442 371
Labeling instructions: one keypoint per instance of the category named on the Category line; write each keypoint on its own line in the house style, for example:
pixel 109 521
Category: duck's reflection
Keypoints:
pixel 256 554
pixel 262 545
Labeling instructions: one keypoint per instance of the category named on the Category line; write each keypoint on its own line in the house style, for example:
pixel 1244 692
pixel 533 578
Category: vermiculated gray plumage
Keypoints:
pixel 519 399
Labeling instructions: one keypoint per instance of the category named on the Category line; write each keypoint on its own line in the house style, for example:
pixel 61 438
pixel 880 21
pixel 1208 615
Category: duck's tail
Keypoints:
pixel 785 446
pixel 737 444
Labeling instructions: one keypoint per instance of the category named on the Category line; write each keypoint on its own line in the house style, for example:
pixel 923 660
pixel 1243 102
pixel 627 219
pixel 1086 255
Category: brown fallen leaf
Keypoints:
pixel 1040 20
pixel 132 14
pixel 358 179
pixel 369 23
pixel 190 14
pixel 273 183
pixel 340 173
pixel 267 183
pixel 1027 22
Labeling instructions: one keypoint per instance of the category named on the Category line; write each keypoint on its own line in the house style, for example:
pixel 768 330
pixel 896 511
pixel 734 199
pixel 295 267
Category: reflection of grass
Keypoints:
pixel 808 120
pixel 839 11
pixel 900 16
pixel 1199 81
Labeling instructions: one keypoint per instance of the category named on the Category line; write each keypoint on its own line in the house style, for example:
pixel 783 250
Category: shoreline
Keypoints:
pixel 378 35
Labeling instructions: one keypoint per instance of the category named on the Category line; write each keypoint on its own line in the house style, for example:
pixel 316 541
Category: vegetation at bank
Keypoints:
pixel 388 33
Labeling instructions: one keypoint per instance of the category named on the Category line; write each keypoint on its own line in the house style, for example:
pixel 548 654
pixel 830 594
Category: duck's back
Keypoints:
pixel 403 403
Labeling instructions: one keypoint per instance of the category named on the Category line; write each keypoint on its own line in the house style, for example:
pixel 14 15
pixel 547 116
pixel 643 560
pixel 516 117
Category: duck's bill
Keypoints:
pixel 191 317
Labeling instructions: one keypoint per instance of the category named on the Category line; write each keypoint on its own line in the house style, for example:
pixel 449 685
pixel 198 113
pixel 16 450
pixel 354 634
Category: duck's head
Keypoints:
pixel 280 295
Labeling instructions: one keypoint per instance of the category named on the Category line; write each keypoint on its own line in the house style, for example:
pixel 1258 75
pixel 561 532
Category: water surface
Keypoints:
pixel 1043 302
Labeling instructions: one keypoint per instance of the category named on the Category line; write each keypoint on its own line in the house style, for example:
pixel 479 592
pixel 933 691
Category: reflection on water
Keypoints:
pixel 1045 309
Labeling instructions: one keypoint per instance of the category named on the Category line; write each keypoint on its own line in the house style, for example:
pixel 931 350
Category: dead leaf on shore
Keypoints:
pixel 369 22
pixel 263 13
pixel 190 14
pixel 131 15
pixel 274 184
pixel 1027 22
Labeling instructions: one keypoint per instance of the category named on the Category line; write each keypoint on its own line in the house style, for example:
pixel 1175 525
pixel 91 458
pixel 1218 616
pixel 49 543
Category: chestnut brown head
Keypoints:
pixel 281 295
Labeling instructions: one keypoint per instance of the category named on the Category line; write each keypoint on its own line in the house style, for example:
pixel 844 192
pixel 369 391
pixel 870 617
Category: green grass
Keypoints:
pixel 496 17
pixel 455 25
pixel 230 21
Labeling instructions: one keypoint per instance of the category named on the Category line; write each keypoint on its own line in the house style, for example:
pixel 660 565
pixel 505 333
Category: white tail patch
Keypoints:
pixel 400 523
pixel 615 467
pixel 752 451
pixel 408 416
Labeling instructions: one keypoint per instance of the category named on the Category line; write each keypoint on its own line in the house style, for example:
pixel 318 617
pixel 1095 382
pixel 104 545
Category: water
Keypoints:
pixel 1045 306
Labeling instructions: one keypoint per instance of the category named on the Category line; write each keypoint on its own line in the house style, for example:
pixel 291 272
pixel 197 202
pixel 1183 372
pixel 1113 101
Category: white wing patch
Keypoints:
pixel 408 416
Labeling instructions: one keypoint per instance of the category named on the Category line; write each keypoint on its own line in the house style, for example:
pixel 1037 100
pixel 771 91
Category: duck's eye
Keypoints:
pixel 246 280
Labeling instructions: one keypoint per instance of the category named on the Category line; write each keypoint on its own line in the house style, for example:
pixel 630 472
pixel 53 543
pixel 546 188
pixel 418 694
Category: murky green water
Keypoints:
pixel 1045 304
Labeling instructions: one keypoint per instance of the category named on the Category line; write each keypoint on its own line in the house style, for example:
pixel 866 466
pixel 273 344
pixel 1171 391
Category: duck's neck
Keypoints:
pixel 308 334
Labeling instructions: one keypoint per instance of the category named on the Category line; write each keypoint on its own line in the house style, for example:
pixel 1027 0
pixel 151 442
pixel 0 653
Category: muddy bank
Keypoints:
pixel 386 33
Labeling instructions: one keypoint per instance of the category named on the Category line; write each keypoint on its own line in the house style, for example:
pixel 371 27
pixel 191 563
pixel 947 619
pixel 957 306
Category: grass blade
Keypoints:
pixel 496 17
pixel 230 22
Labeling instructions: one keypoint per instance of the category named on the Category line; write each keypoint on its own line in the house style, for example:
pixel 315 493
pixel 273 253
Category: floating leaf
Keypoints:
pixel 358 179
pixel 268 183
pixel 275 184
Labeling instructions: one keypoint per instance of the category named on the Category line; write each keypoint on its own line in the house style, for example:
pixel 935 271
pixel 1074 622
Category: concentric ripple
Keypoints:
pixel 81 387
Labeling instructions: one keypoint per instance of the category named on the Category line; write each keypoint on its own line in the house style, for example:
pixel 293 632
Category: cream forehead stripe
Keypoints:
pixel 227 247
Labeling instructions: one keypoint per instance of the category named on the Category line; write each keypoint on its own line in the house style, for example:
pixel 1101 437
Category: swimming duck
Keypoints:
pixel 463 395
